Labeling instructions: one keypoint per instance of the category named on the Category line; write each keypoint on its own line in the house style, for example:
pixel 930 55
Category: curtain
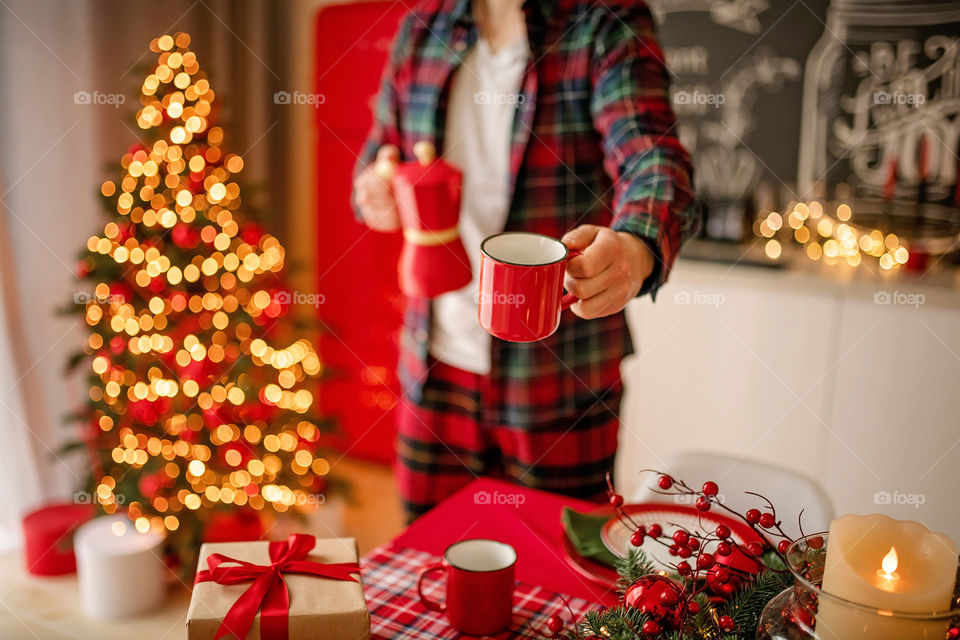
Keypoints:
pixel 54 153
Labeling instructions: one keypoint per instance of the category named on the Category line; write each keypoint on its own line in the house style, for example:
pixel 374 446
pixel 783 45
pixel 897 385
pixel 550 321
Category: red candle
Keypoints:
pixel 890 186
pixel 923 161
pixel 48 537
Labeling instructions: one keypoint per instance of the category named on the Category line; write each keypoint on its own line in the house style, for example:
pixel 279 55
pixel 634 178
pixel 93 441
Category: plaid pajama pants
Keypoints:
pixel 453 434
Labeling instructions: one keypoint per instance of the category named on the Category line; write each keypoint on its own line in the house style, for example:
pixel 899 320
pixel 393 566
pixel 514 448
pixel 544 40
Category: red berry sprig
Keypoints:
pixel 697 552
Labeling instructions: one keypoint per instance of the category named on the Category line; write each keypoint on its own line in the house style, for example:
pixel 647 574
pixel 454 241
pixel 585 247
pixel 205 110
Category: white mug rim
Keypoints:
pixel 448 561
pixel 487 254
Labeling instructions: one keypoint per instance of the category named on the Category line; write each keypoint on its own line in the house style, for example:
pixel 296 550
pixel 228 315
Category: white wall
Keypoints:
pixel 806 372
pixel 50 171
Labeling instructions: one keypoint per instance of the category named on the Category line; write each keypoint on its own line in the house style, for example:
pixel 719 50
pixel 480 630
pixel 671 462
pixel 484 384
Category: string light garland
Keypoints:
pixel 191 406
pixel 829 237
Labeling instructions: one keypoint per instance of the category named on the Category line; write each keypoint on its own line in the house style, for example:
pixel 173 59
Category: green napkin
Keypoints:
pixel 583 531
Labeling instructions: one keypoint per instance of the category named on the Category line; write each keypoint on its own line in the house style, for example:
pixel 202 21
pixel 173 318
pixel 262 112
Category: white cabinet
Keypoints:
pixel 806 372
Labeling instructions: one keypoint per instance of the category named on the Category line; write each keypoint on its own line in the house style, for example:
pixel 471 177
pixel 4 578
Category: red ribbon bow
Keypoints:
pixel 269 590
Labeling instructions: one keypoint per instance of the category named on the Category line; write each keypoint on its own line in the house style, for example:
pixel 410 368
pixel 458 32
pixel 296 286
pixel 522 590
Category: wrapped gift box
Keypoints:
pixel 320 608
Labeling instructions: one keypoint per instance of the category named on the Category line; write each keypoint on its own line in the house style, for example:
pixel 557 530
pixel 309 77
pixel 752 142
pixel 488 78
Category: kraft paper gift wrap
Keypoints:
pixel 320 608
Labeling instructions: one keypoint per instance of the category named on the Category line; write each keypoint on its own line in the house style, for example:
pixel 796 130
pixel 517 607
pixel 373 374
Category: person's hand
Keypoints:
pixel 373 193
pixel 609 272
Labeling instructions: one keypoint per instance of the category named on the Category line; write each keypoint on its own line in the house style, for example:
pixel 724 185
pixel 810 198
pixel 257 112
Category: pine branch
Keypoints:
pixel 634 566
pixel 619 623
pixel 747 604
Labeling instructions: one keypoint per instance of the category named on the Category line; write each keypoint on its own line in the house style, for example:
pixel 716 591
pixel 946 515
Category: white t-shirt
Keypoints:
pixel 480 113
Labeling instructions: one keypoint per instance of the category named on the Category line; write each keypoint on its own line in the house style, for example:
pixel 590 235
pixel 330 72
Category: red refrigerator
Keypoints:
pixel 357 268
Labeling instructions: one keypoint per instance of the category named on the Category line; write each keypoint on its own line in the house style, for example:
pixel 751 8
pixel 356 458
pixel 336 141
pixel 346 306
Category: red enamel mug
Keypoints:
pixel 521 285
pixel 479 591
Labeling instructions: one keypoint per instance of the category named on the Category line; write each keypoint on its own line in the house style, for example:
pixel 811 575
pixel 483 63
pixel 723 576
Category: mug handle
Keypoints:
pixel 568 299
pixel 426 602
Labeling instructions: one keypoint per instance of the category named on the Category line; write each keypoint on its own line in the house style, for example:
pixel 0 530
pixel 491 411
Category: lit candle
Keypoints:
pixel 120 570
pixel 890 566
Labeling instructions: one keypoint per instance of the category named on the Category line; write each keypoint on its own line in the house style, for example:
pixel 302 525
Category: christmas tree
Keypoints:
pixel 193 407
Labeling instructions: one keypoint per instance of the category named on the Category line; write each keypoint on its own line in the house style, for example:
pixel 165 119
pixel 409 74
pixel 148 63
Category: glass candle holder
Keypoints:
pixel 792 615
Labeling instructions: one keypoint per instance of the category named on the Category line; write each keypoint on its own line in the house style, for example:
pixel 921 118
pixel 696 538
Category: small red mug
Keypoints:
pixel 480 581
pixel 521 285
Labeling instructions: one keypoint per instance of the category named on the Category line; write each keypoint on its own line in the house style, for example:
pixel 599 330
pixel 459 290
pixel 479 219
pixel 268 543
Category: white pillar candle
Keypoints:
pixel 889 565
pixel 120 570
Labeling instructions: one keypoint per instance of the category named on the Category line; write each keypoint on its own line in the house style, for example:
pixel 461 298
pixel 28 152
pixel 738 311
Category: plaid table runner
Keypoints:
pixel 390 585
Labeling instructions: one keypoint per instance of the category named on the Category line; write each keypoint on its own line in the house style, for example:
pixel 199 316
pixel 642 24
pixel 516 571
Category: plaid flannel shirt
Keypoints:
pixel 593 142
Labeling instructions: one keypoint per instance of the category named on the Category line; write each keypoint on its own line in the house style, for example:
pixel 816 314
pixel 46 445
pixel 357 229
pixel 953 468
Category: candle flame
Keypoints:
pixel 890 563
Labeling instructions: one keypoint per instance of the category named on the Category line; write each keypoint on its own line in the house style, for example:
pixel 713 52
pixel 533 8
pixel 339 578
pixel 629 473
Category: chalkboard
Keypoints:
pixel 771 99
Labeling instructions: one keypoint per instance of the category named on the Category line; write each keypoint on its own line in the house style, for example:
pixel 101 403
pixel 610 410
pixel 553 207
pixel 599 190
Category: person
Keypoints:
pixel 558 113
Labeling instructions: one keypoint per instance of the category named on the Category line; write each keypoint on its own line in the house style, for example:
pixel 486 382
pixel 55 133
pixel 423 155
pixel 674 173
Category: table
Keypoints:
pixel 390 586
pixel 33 608
pixel 525 518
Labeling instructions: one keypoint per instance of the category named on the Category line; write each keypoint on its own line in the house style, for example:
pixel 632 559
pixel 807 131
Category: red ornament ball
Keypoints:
pixel 658 597
pixel 651 628
pixel 710 488
pixel 681 537
pixel 654 531
pixel 767 520
pixel 693 608
pixel 724 548
pixel 555 624
pixel 616 500
pixel 723 531
pixel 752 516
pixel 703 504
pixel 636 538
pixel 755 548
pixel 783 545
pixel 726 624
pixel 664 482
pixel 726 576
pixel 117 345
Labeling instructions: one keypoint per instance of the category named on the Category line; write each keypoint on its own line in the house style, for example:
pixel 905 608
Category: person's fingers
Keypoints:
pixel 603 304
pixel 388 153
pixel 373 184
pixel 604 250
pixel 585 288
pixel 580 237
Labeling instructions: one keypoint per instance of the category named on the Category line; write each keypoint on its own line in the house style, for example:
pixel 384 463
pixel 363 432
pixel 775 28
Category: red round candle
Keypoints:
pixel 48 537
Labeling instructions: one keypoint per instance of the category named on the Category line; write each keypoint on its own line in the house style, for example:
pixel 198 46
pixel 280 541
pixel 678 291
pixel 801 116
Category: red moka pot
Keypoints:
pixel 433 260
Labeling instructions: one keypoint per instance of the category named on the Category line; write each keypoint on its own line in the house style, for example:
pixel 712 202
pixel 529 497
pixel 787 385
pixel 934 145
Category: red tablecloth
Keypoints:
pixel 525 518
pixel 390 585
